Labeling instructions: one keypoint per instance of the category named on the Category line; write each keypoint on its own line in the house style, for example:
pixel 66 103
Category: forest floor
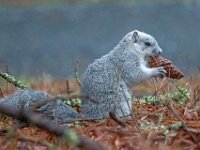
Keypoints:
pixel 168 118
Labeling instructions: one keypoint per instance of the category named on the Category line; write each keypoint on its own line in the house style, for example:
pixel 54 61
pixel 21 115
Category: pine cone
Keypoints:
pixel 172 71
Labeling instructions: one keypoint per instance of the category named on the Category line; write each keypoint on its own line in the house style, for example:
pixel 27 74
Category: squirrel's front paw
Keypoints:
pixel 160 71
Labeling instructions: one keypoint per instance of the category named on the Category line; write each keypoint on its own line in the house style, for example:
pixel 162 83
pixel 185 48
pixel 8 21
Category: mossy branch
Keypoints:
pixel 11 79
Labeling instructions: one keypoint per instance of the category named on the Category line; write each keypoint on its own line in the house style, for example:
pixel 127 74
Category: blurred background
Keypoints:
pixel 40 37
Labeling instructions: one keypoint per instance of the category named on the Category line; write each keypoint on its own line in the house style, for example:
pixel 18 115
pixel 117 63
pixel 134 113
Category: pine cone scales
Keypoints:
pixel 172 71
pixel 159 61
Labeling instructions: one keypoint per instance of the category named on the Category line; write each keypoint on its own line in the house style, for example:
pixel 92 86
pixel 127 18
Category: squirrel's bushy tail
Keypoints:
pixel 55 110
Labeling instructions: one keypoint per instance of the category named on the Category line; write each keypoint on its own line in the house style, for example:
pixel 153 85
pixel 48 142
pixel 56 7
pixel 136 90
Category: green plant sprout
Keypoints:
pixel 181 96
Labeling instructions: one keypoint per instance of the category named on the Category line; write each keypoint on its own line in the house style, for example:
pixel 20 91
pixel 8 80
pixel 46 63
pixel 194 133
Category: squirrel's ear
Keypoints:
pixel 135 36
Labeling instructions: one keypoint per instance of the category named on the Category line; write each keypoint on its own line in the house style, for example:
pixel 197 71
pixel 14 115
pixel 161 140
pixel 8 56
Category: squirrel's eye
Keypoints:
pixel 147 43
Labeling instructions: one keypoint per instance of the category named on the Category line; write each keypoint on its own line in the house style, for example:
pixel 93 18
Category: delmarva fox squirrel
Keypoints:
pixel 106 82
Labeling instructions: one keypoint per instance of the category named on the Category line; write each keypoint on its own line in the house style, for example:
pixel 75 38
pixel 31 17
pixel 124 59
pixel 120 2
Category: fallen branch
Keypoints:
pixel 69 136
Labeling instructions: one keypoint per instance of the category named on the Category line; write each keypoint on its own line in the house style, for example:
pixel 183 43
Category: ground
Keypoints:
pixel 169 124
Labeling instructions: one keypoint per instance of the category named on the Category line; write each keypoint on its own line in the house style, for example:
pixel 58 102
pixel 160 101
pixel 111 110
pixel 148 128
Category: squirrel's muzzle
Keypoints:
pixel 157 52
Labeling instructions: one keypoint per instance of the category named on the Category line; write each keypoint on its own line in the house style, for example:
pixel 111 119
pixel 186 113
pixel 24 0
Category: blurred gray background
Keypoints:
pixel 49 36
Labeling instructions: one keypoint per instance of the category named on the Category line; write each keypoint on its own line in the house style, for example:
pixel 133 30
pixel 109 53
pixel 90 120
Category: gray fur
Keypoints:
pixel 100 79
pixel 107 82
pixel 56 110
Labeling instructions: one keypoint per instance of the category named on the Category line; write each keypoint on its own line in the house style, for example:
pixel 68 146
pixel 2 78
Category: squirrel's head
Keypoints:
pixel 143 44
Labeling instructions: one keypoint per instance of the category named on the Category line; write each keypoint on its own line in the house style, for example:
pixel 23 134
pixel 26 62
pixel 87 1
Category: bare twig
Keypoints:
pixel 155 87
pixel 67 84
pixel 119 121
pixel 1 93
pixel 69 136
pixel 116 103
pixel 156 90
pixel 76 74
pixel 196 96
pixel 6 67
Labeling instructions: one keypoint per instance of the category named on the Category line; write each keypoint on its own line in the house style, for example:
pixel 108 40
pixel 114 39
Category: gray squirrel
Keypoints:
pixel 108 79
pixel 106 84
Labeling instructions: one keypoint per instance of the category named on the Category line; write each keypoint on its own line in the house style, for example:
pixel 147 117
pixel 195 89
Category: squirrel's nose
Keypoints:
pixel 160 51
pixel 157 51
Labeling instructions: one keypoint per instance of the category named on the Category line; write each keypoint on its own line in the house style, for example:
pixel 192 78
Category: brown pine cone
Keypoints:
pixel 172 71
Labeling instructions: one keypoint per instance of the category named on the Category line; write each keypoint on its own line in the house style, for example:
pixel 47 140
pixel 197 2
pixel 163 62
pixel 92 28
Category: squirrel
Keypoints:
pixel 106 83
pixel 108 79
